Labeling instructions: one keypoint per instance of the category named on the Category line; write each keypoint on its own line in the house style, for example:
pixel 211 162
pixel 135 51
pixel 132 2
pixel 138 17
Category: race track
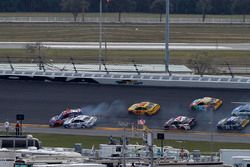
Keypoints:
pixel 130 46
pixel 39 101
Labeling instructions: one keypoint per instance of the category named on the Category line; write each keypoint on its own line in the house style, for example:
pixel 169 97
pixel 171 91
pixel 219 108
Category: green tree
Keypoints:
pixel 183 7
pixel 159 6
pixel 9 6
pixel 121 6
pixel 143 5
pixel 221 7
pixel 74 6
pixel 241 7
pixel 204 6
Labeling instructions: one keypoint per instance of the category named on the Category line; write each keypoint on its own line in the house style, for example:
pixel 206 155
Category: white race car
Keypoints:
pixel 81 121
pixel 180 122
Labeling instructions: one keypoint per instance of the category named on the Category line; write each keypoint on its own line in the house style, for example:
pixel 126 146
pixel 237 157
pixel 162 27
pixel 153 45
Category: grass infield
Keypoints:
pixel 216 58
pixel 83 32
pixel 57 140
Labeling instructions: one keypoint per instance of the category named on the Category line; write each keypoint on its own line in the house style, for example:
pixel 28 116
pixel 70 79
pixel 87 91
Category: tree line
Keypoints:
pixel 219 7
pixel 146 6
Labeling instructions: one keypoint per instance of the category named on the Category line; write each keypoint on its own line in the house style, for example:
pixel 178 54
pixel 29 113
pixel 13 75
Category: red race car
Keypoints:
pixel 58 120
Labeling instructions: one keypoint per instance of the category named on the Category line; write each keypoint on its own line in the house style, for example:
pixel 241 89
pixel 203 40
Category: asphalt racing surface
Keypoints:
pixel 39 101
pixel 131 46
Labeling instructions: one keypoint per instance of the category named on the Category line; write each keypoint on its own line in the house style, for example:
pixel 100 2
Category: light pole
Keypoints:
pixel 212 134
pixel 211 110
pixel 151 147
pixel 167 38
pixel 124 125
pixel 100 36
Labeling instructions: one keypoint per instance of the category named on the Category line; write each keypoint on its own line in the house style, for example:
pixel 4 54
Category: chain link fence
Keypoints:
pixel 149 20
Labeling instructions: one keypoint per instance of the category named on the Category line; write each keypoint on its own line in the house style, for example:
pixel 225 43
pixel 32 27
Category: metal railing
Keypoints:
pixel 66 19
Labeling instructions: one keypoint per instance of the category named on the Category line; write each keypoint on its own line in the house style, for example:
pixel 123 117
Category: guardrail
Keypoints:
pixel 159 80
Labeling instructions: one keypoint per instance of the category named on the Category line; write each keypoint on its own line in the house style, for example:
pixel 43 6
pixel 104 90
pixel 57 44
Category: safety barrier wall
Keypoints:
pixel 161 80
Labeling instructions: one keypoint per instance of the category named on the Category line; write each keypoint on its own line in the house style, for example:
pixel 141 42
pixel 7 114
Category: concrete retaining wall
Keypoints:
pixel 159 80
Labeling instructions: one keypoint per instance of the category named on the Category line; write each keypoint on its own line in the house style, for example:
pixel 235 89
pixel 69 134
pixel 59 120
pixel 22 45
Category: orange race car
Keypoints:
pixel 147 108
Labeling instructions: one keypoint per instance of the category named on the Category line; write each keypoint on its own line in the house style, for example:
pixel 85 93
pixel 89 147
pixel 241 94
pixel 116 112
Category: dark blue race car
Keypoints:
pixel 232 123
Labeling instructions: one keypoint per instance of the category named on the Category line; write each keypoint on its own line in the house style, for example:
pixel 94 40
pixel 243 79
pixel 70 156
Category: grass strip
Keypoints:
pixel 57 140
pixel 215 58
pixel 84 32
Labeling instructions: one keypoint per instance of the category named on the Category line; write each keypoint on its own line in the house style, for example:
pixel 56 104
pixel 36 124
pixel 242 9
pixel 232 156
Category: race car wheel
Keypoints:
pixel 219 128
pixel 51 125
pixel 66 126
pixel 193 108
pixel 182 128
pixel 83 126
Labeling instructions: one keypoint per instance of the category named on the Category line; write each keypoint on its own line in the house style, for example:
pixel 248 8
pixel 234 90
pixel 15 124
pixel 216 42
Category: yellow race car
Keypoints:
pixel 147 108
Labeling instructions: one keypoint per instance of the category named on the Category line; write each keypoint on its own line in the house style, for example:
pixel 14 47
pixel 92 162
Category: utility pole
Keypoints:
pixel 167 54
pixel 100 36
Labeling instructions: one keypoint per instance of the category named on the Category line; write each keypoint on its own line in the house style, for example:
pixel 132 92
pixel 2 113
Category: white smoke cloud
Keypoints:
pixel 103 109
